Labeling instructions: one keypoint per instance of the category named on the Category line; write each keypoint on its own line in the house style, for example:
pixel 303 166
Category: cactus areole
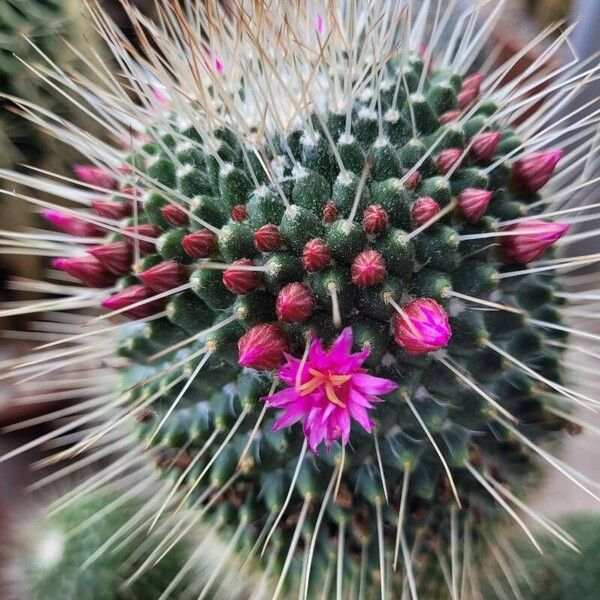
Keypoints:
pixel 326 254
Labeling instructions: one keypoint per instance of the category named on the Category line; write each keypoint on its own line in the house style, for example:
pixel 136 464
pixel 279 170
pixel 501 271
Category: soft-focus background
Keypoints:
pixel 521 20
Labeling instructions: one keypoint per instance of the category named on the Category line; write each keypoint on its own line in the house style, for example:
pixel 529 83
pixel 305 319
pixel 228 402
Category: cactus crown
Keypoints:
pixel 322 232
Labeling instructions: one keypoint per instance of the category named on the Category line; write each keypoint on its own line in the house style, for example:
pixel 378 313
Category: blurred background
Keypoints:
pixel 20 143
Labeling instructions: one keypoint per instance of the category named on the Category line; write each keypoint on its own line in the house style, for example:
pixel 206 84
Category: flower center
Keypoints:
pixel 324 379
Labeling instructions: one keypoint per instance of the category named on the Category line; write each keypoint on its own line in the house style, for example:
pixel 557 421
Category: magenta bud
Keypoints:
pixel 484 145
pixel 368 268
pixel 472 203
pixel 88 269
pixel 95 176
pixel 423 209
pixel 174 215
pixel 71 225
pixel 115 257
pixel 146 230
pixel 422 327
pixel 531 173
pixel 164 276
pixel 111 209
pixel 448 158
pixel 199 244
pixel 449 116
pixel 132 295
pixel 530 239
pixel 262 347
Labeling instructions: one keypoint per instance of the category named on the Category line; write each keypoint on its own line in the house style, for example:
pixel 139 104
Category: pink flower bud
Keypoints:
pixel 484 145
pixel 115 257
pixel 111 209
pixel 422 327
pixel 199 244
pixel 262 347
pixel 448 158
pixel 164 276
pixel 472 203
pixel 315 255
pixel 174 215
pixel 88 269
pixel 267 238
pixel 72 225
pixel 375 219
pixel 472 82
pixel 330 212
pixel 530 239
pixel 95 176
pixel 294 303
pixel 423 209
pixel 368 268
pixel 449 116
pixel 146 230
pixel 132 295
pixel 240 281
pixel 531 173
pixel 412 180
pixel 239 213
pixel 466 96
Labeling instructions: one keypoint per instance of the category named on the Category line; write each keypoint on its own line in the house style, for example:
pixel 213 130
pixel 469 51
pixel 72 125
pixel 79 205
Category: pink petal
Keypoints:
pixel 340 349
pixel 359 414
pixel 372 386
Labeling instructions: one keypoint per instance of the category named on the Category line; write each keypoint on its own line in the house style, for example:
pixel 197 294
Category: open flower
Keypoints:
pixel 327 391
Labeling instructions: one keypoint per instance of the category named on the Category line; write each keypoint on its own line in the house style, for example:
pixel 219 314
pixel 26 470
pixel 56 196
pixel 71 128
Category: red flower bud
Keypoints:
pixel 484 145
pixel 240 281
pixel 422 327
pixel 174 215
pixel 199 244
pixel 262 347
pixel 423 209
pixel 72 225
pixel 146 230
pixel 88 269
pixel 449 116
pixel 267 238
pixel 164 276
pixel 330 212
pixel 413 180
pixel 533 172
pixel 115 257
pixel 315 255
pixel 111 209
pixel 95 176
pixel 375 219
pixel 294 303
pixel 448 158
pixel 239 213
pixel 530 239
pixel 472 203
pixel 132 295
pixel 368 268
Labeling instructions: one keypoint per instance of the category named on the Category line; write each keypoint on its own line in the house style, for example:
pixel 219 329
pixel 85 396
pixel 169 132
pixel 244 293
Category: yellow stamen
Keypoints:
pixel 329 381
pixel 332 397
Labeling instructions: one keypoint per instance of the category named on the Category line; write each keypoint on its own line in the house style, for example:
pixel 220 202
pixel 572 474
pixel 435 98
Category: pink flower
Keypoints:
pixel 422 327
pixel 530 239
pixel 533 172
pixel 328 391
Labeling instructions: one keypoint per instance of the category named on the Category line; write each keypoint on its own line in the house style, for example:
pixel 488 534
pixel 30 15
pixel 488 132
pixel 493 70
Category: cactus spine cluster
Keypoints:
pixel 327 188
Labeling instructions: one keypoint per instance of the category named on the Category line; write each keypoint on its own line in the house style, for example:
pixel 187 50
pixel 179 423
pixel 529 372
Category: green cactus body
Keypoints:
pixel 377 219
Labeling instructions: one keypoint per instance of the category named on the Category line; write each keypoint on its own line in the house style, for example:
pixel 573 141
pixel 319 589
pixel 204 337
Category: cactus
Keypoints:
pixel 57 557
pixel 337 257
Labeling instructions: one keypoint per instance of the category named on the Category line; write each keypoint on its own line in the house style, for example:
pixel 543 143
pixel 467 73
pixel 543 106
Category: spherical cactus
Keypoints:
pixel 338 254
